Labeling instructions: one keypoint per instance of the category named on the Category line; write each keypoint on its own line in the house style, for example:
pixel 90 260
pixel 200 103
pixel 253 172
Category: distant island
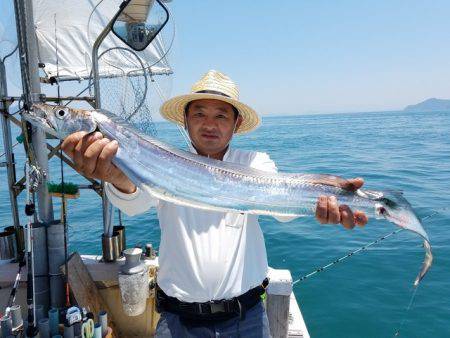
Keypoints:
pixel 430 105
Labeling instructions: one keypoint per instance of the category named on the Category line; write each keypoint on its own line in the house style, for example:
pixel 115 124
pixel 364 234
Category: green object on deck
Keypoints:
pixel 69 188
pixel 264 296
pixel 20 138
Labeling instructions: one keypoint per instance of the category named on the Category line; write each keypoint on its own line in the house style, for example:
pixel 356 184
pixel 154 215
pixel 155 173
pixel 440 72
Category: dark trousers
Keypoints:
pixel 253 325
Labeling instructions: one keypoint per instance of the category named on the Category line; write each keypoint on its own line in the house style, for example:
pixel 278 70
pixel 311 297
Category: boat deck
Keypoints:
pixel 105 277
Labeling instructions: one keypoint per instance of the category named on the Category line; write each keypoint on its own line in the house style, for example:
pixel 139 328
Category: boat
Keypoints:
pixel 95 45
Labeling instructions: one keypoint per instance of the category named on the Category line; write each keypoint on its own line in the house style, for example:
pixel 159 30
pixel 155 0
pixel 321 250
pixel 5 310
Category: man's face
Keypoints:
pixel 211 124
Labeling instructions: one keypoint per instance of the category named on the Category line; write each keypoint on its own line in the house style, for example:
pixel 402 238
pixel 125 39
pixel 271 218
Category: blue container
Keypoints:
pixel 44 328
pixel 98 330
pixel 53 315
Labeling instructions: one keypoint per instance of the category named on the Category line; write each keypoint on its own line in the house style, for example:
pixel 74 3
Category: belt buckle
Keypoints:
pixel 217 306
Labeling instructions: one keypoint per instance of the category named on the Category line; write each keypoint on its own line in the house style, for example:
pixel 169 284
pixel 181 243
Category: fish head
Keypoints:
pixel 60 121
pixel 393 206
pixel 396 209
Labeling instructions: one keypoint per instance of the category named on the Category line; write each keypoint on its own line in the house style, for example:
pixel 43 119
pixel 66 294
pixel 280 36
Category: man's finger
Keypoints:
pixel 322 209
pixel 105 167
pixel 360 218
pixel 71 141
pixel 91 155
pixel 334 216
pixel 353 184
pixel 347 218
pixel 80 148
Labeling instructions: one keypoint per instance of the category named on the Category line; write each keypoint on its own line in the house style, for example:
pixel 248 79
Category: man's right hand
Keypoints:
pixel 92 155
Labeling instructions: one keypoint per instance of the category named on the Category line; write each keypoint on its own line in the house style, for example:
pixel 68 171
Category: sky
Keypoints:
pixel 304 57
pixel 297 57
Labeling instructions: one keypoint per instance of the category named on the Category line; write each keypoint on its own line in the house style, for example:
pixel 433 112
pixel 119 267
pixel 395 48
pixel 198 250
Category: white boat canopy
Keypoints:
pixel 136 11
pixel 66 31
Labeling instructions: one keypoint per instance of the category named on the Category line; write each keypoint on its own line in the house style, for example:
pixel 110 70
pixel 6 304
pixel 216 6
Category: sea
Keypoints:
pixel 366 295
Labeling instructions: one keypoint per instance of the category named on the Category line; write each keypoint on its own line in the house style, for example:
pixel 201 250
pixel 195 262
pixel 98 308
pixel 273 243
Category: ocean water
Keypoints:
pixel 367 294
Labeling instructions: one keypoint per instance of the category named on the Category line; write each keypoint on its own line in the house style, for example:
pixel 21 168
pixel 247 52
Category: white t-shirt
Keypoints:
pixel 205 255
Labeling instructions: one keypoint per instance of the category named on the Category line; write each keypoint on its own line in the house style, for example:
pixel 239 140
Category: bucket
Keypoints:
pixel 20 241
pixel 7 245
pixel 110 247
pixel 120 230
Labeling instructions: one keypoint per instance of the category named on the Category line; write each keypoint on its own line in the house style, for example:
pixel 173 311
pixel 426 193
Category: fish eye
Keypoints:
pixel 60 113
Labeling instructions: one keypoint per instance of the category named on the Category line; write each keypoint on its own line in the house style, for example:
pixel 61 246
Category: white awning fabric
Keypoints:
pixel 136 11
pixel 66 31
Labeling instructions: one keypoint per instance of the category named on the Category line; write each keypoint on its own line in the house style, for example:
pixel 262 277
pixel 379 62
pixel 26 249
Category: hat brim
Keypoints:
pixel 173 110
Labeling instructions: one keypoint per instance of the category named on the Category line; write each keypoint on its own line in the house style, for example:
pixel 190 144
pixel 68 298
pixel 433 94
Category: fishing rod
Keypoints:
pixel 362 248
pixel 64 220
pixel 30 211
pixel 63 197
pixel 12 295
pixel 350 254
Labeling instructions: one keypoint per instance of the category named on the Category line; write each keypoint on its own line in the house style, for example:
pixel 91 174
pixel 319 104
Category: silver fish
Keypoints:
pixel 196 181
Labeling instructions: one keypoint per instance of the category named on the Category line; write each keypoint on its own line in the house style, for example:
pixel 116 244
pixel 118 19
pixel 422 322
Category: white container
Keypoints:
pixel 134 283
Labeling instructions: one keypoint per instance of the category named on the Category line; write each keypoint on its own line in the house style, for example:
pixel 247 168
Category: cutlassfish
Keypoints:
pixel 192 180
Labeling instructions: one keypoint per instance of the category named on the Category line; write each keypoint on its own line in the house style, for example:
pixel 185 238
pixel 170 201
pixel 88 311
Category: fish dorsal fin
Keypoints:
pixel 324 179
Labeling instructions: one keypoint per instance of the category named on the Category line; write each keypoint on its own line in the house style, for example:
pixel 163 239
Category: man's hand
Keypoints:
pixel 92 155
pixel 328 210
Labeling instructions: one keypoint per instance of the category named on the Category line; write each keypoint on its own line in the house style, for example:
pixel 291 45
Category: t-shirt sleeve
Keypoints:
pixel 262 161
pixel 131 204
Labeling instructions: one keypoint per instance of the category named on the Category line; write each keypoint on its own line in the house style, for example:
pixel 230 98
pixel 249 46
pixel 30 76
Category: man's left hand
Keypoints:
pixel 328 210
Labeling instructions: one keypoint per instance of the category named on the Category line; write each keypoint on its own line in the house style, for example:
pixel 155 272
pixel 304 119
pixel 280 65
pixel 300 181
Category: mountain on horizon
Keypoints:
pixel 429 105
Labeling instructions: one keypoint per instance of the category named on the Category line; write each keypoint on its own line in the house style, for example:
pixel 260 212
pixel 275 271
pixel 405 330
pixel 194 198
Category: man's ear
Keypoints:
pixel 238 123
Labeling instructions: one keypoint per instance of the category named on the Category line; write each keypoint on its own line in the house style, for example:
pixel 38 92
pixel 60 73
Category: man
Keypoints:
pixel 212 264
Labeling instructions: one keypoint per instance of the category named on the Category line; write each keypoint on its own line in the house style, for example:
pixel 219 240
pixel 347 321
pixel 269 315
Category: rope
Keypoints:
pixel 10 53
pixel 15 144
pixel 364 247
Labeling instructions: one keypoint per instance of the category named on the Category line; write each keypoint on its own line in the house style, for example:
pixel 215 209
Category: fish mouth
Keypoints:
pixel 393 206
pixel 39 117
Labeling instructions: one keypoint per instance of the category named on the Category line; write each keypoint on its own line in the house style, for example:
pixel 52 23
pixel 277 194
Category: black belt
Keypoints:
pixel 215 310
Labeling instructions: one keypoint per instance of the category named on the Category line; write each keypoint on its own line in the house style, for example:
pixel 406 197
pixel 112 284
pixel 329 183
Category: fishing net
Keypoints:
pixel 134 95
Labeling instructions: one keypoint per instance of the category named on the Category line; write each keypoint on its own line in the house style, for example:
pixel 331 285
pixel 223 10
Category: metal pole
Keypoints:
pixel 107 206
pixel 31 88
pixel 32 91
pixel 6 128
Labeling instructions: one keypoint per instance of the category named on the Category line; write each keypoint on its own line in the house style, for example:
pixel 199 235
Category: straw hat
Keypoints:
pixel 213 85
